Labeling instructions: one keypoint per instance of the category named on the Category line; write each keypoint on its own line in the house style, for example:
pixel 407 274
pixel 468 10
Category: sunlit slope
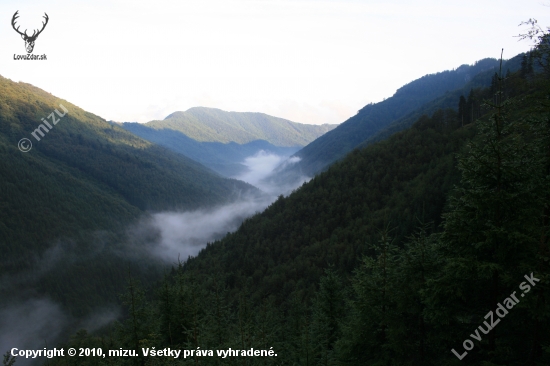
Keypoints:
pixel 85 173
pixel 214 125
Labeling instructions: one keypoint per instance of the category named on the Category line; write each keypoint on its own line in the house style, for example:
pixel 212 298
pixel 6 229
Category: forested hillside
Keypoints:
pixel 223 140
pixel 214 125
pixel 73 193
pixel 393 256
pixel 407 103
pixel 474 94
pixel 224 158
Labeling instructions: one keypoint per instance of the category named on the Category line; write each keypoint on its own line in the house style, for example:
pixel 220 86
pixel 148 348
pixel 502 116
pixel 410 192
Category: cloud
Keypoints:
pixel 260 166
pixel 184 234
pixel 99 318
pixel 263 169
pixel 39 323
pixel 173 235
pixel 30 321
pixel 30 325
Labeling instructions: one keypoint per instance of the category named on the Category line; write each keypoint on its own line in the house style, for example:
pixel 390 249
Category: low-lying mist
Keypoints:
pixel 31 319
pixel 39 322
pixel 171 236
pixel 174 235
pixel 261 166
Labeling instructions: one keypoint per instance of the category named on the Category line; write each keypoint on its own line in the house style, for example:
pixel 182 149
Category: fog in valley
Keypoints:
pixel 30 319
pixel 173 235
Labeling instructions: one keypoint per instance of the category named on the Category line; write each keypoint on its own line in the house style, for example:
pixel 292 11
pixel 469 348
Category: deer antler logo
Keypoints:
pixel 29 40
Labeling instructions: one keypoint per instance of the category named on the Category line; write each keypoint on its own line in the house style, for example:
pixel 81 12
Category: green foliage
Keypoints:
pixel 8 360
pixel 333 217
pixel 490 236
pixel 320 276
pixel 265 284
pixel 327 313
pixel 65 204
pixel 376 122
pixel 214 125
pixel 223 158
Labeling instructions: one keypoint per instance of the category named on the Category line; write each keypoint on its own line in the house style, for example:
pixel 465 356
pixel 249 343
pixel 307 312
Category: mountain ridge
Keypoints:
pixel 79 187
pixel 224 158
pixel 373 118
pixel 215 125
pixel 222 140
pixel 369 261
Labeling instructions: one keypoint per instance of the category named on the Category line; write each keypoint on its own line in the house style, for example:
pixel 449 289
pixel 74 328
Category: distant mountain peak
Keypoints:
pixel 206 124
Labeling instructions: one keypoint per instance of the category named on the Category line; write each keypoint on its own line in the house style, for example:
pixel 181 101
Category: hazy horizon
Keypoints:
pixel 311 62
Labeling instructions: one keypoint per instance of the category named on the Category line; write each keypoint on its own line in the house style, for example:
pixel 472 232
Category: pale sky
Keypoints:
pixel 310 61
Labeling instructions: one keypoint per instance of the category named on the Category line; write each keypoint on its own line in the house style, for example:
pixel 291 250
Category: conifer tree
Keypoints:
pixel 470 112
pixel 524 66
pixel 327 313
pixel 368 329
pixel 487 234
pixel 8 360
pixel 418 262
pixel 539 123
pixel 462 109
pixel 135 330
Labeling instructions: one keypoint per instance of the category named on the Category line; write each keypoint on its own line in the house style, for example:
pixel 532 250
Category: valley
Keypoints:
pixel 381 240
pixel 223 140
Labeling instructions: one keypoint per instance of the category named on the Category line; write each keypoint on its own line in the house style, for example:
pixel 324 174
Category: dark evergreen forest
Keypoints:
pixel 430 247
pixel 403 251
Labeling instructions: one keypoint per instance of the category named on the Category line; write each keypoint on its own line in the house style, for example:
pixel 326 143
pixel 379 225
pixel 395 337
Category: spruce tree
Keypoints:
pixel 419 261
pixel 462 110
pixel 327 313
pixel 368 331
pixel 487 241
